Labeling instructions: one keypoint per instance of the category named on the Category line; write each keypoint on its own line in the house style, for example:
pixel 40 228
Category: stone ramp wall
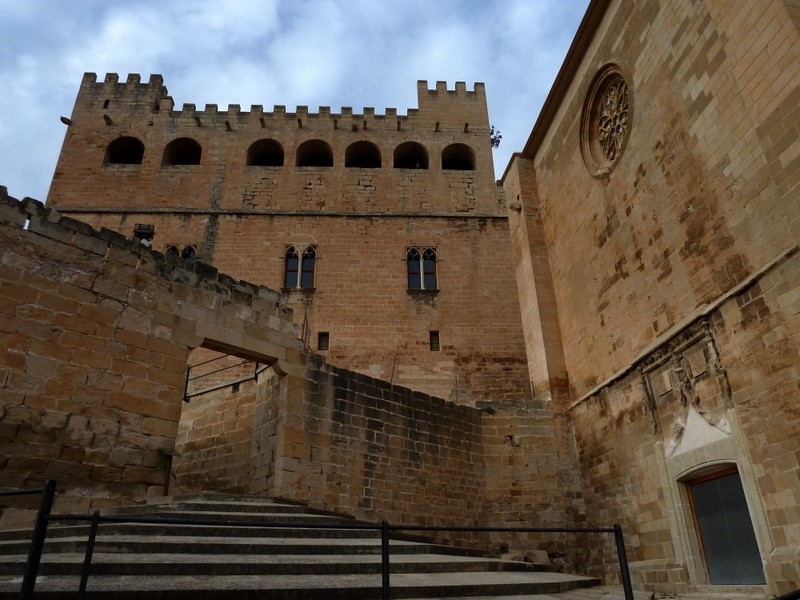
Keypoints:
pixel 95 332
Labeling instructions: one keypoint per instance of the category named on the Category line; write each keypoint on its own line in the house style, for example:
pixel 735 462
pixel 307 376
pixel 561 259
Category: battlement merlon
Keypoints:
pixel 151 95
pixel 454 106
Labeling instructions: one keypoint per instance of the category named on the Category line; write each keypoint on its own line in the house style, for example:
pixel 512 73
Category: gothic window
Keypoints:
pixel 421 268
pixel 299 267
pixel 186 252
pixel 124 150
pixel 606 120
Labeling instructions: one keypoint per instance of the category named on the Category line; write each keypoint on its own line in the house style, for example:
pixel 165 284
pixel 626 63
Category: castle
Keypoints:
pixel 610 335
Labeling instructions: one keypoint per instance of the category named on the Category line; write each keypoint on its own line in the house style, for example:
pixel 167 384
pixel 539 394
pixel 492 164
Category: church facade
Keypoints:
pixel 655 216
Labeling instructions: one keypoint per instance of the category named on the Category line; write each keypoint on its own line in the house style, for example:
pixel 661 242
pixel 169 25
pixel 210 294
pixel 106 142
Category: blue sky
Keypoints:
pixel 297 52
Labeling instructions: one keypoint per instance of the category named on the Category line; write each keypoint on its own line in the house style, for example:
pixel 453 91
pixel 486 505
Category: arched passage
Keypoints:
pixel 182 151
pixel 126 150
pixel 314 153
pixel 363 155
pixel 458 157
pixel 410 155
pixel 265 153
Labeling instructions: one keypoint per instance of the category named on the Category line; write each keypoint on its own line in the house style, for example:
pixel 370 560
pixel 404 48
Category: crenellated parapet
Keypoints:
pixel 117 99
pixel 133 94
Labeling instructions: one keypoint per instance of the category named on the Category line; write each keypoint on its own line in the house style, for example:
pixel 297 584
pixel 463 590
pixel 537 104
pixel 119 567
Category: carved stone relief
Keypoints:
pixel 684 373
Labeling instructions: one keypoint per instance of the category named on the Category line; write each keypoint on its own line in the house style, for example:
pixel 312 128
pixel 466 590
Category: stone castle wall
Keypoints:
pixel 241 218
pixel 97 331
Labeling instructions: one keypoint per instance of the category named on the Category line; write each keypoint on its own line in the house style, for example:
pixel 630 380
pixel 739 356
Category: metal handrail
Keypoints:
pixel 188 378
pixel 48 492
pixel 385 528
pixel 220 370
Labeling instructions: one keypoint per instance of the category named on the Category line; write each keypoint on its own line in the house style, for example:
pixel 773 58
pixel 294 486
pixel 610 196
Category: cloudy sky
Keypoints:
pixel 293 52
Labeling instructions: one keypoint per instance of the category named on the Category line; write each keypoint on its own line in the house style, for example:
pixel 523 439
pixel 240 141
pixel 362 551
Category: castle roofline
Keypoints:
pixel 132 84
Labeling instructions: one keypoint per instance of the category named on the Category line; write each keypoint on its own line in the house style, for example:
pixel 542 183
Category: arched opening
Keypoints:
pixel 458 157
pixel 182 151
pixel 362 155
pixel 314 153
pixel 410 155
pixel 421 263
pixel 299 267
pixel 125 150
pixel 724 528
pixel 265 153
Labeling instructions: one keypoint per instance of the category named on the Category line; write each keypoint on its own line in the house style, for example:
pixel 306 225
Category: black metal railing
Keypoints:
pixel 48 492
pixel 190 380
pixel 385 529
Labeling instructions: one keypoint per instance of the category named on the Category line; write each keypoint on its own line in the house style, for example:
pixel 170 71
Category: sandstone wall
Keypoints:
pixel 360 298
pixel 96 331
pixel 667 284
pixel 242 217
pixel 723 392
pixel 705 191
pixel 352 444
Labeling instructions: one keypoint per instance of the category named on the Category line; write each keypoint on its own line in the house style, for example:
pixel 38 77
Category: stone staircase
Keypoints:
pixel 140 560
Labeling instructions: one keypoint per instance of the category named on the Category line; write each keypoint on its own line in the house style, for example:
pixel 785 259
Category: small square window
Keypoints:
pixel 323 341
pixel 434 341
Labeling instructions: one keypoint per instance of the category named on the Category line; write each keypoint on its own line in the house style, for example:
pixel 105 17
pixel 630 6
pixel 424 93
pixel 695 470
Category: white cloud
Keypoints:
pixel 315 52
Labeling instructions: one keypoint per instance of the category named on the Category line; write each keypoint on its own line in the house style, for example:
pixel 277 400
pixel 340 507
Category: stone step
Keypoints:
pixel 238 506
pixel 274 564
pixel 164 530
pixel 171 560
pixel 598 592
pixel 235 516
pixel 244 546
pixel 307 587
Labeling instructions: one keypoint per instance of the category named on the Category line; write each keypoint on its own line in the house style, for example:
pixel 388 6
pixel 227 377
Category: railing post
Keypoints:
pixel 623 563
pixel 186 383
pixel 37 540
pixel 385 593
pixel 87 559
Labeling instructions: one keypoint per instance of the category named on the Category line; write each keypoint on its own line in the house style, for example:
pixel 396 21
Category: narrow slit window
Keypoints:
pixel 323 341
pixel 434 341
